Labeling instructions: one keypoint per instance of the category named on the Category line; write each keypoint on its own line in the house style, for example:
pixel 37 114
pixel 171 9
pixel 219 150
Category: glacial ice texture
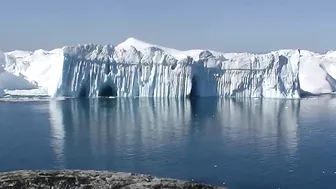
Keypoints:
pixel 153 73
pixel 138 69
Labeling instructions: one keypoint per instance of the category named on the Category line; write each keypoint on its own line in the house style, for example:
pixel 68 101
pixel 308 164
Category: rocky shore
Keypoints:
pixel 90 179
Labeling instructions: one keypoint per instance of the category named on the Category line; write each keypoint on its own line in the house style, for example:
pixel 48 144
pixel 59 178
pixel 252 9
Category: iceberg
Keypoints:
pixel 317 74
pixel 12 80
pixel 2 64
pixel 135 68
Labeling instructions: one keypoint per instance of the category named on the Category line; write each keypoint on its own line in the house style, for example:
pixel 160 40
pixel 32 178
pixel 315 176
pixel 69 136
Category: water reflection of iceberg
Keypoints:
pixel 137 128
pixel 57 132
pixel 273 123
pixel 269 122
pixel 96 127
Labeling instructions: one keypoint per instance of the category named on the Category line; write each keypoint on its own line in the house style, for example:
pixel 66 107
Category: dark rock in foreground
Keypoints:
pixel 89 179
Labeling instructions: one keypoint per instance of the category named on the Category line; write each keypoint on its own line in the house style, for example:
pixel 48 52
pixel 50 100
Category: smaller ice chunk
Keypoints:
pixel 2 62
pixel 2 93
pixel 10 80
pixel 313 75
pixel 38 69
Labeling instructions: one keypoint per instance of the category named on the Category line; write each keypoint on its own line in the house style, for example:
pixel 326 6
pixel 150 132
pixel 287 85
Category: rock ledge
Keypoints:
pixel 90 179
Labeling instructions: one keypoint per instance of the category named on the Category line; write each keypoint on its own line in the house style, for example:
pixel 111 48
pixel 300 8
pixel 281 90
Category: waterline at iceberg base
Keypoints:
pixel 90 179
pixel 138 69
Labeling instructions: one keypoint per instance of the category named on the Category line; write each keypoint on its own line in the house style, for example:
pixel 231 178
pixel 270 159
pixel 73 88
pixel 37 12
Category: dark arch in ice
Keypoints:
pixel 194 88
pixel 107 69
pixel 173 66
pixel 83 93
pixel 107 91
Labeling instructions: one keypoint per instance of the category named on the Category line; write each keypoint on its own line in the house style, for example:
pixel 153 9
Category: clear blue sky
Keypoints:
pixel 222 25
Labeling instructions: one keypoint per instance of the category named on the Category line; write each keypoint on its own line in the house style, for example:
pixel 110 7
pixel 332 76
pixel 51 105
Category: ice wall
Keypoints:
pixel 273 75
pixel 94 70
pixel 2 65
pixel 2 61
pixel 135 68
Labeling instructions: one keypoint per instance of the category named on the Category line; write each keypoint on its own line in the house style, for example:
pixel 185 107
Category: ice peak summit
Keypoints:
pixel 132 40
pixel 142 46
pixel 136 43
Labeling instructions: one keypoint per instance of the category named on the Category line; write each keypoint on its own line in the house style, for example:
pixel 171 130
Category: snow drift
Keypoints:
pixel 135 68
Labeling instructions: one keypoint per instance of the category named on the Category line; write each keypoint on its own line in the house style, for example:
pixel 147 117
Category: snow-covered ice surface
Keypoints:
pixel 11 79
pixel 136 68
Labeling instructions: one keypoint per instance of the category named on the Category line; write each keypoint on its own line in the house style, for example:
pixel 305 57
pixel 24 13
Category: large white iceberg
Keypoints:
pixel 135 68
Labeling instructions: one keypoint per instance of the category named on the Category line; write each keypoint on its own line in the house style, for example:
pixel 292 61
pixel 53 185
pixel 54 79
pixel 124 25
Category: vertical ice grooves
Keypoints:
pixel 134 68
pixel 152 73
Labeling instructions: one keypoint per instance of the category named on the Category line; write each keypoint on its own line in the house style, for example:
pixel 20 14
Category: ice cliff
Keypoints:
pixel 135 68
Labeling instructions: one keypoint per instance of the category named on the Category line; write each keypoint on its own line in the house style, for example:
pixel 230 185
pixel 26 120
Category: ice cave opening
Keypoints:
pixel 83 93
pixel 107 91
pixel 194 88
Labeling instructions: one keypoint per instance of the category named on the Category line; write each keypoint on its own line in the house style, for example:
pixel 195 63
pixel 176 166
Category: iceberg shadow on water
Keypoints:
pixel 176 138
pixel 100 127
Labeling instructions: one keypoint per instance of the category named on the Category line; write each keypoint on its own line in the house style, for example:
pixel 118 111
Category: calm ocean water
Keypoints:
pixel 246 143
